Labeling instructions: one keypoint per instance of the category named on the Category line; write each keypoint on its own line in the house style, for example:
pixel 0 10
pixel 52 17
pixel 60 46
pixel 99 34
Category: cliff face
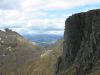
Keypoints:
pixel 81 54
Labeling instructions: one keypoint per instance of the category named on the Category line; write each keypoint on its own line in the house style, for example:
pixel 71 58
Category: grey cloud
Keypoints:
pixel 9 4
pixel 45 28
pixel 3 26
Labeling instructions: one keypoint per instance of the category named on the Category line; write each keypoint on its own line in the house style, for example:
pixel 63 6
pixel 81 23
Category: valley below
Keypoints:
pixel 19 56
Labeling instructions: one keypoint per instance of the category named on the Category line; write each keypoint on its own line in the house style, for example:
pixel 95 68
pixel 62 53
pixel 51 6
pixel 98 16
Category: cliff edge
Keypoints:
pixel 81 55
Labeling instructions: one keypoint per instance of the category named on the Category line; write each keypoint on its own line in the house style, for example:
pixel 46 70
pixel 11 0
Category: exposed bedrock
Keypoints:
pixel 81 47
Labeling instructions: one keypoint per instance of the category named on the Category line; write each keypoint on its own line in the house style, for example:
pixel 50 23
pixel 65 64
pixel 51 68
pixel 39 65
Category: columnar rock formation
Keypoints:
pixel 81 54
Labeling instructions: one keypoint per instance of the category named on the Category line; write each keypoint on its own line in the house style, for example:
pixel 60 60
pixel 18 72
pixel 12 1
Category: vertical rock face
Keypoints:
pixel 81 54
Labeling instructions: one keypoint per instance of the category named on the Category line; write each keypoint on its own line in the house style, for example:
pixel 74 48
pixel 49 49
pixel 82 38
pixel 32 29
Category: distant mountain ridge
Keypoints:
pixel 43 39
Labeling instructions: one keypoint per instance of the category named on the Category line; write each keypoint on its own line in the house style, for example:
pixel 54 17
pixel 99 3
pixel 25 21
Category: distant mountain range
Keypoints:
pixel 43 39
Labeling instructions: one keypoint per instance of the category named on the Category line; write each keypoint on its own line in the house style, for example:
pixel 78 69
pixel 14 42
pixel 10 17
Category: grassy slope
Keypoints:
pixel 18 52
pixel 45 64
pixel 25 58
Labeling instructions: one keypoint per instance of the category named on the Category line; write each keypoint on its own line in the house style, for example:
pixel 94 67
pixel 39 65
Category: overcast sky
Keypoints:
pixel 41 16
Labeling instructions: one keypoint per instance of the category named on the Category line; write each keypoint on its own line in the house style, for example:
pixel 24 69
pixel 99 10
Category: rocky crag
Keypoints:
pixel 81 55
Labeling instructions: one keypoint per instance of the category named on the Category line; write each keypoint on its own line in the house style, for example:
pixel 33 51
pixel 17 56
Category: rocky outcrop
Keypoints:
pixel 81 47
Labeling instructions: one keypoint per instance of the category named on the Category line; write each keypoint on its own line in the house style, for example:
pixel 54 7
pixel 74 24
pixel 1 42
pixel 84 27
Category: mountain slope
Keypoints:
pixel 45 64
pixel 15 52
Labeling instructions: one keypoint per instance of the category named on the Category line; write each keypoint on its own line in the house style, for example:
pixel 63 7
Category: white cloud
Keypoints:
pixel 67 4
pixel 33 15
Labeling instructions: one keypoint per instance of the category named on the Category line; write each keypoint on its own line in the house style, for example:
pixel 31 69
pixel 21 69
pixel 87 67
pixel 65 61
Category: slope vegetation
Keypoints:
pixel 15 52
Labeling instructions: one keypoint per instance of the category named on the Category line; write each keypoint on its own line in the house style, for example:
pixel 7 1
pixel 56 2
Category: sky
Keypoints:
pixel 41 16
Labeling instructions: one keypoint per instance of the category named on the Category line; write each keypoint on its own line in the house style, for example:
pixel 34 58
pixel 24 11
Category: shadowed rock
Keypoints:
pixel 81 44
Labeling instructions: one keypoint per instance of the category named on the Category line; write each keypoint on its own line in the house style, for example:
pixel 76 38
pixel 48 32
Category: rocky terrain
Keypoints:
pixel 15 52
pixel 78 53
pixel 45 64
pixel 81 54
pixel 18 56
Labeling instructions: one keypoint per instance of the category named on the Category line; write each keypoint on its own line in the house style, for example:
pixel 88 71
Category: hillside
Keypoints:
pixel 20 57
pixel 81 49
pixel 15 52
pixel 45 64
